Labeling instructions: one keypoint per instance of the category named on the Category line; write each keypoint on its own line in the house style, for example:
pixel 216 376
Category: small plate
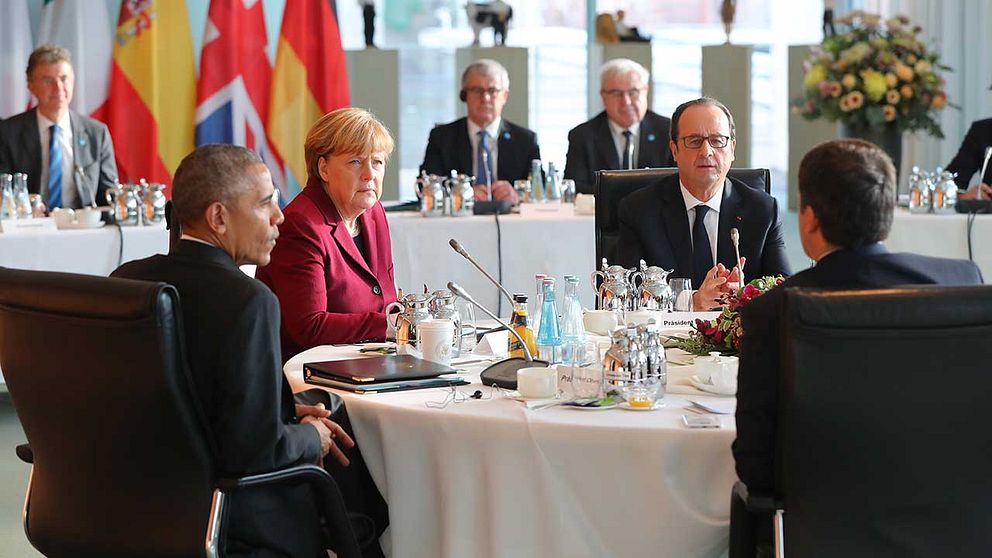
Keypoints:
pixel 77 226
pixel 708 387
pixel 657 405
pixel 570 405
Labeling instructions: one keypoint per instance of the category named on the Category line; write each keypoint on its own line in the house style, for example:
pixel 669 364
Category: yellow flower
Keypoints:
pixel 922 67
pixel 939 100
pixel 903 71
pixel 891 80
pixel 911 59
pixel 835 89
pixel 889 113
pixel 874 84
pixel 906 92
pixel 892 96
pixel 849 81
pixel 854 100
pixel 814 76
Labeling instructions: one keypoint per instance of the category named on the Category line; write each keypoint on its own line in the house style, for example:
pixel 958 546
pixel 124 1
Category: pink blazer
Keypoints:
pixel 327 292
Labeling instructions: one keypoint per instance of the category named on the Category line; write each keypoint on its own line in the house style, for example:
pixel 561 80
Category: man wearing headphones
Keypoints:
pixel 484 144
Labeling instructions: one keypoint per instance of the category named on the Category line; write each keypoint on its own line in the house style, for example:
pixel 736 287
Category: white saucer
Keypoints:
pixel 708 387
pixel 76 226
pixel 657 405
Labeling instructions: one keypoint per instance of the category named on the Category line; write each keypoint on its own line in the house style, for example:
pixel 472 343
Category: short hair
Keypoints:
pixel 488 68
pixel 47 53
pixel 346 130
pixel 622 67
pixel 850 186
pixel 210 173
pixel 697 102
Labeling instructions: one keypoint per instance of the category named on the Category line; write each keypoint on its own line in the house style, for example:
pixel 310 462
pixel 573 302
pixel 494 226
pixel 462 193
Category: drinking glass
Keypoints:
pixel 681 294
pixel 587 376
pixel 467 335
pixel 523 190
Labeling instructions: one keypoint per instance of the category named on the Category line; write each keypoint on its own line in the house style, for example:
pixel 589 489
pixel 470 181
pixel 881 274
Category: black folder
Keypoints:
pixel 378 374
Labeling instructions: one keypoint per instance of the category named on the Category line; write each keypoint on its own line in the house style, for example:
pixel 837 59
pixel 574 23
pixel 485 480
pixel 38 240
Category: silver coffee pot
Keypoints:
pixel 413 309
pixel 126 201
pixel 460 194
pixel 153 201
pixel 945 193
pixel 430 190
pixel 443 307
pixel 615 291
pixel 654 292
pixel 636 357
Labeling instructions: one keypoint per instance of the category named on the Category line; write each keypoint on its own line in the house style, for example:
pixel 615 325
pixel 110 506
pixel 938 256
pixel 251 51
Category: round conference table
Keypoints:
pixel 492 477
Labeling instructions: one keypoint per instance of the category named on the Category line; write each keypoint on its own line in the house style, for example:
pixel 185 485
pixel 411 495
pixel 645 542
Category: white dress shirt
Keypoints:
pixel 619 141
pixel 473 136
pixel 712 218
pixel 70 196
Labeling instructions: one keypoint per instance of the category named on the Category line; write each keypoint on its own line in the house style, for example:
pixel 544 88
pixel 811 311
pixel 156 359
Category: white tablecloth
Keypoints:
pixel 943 235
pixel 90 251
pixel 530 245
pixel 490 478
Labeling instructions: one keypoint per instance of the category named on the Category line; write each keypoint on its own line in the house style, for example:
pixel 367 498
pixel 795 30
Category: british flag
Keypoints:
pixel 233 89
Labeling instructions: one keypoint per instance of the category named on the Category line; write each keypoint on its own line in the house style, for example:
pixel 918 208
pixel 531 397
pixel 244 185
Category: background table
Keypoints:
pixel 943 235
pixel 490 478
pixel 530 245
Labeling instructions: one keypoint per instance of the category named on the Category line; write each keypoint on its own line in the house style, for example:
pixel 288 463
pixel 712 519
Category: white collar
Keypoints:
pixel 618 130
pixel 492 129
pixel 195 239
pixel 65 124
pixel 713 203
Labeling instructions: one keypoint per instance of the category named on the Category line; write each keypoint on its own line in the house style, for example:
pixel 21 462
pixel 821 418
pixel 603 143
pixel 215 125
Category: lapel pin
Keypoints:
pixel 506 136
pixel 82 141
pixel 650 137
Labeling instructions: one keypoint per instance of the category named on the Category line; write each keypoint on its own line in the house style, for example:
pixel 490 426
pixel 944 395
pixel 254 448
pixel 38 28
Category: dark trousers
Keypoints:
pixel 750 532
pixel 359 491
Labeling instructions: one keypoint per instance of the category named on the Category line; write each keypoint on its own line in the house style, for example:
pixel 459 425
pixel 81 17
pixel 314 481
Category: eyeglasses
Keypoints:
pixel 618 93
pixel 479 91
pixel 716 141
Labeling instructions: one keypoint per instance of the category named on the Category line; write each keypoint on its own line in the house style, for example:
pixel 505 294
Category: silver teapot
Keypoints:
pixel 443 307
pixel 654 292
pixel 636 358
pixel 153 201
pixel 460 194
pixel 945 193
pixel 615 292
pixel 126 201
pixel 414 308
pixel 430 190
pixel 920 191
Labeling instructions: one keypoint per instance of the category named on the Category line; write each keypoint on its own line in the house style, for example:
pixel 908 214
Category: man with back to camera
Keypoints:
pixel 68 157
pixel 626 135
pixel 484 139
pixel 227 206
pixel 683 221
pixel 846 203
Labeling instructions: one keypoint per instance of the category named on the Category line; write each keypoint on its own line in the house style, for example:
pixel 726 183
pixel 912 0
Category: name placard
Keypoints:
pixel 40 224
pixel 548 209
pixel 684 319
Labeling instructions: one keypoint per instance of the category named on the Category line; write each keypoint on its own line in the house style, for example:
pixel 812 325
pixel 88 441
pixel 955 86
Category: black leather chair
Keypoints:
pixel 614 185
pixel 883 415
pixel 122 463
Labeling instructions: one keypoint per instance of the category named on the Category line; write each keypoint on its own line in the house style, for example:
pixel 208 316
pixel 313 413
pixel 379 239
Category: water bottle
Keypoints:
pixel 22 201
pixel 573 332
pixel 538 298
pixel 536 181
pixel 551 190
pixel 548 334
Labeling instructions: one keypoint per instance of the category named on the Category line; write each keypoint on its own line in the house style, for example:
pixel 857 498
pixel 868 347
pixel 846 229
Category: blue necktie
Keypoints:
pixel 702 256
pixel 484 163
pixel 54 168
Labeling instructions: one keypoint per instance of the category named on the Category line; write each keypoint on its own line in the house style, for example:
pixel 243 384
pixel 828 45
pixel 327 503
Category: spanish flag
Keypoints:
pixel 152 102
pixel 310 78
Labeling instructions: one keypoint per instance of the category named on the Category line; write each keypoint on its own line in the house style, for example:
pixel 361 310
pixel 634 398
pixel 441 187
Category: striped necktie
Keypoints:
pixel 54 168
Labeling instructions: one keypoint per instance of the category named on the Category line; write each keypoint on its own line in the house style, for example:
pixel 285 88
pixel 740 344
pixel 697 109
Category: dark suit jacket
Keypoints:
pixel 971 154
pixel 92 150
pixel 231 324
pixel 328 292
pixel 591 148
pixel 448 147
pixel 654 226
pixel 757 384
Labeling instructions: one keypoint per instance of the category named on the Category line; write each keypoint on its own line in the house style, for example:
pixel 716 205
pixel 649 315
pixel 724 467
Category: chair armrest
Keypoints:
pixel 757 503
pixel 25 454
pixel 338 522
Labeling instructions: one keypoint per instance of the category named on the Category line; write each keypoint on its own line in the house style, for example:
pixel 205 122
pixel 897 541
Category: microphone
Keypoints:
pixel 735 237
pixel 504 372
pixel 458 248
pixel 489 175
pixel 630 155
pixel 981 176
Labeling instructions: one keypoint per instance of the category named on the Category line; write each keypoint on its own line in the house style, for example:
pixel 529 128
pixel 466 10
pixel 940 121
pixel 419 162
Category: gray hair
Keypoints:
pixel 622 67
pixel 488 68
pixel 210 173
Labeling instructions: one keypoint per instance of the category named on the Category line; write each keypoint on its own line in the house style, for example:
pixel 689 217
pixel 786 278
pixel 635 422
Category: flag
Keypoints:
pixel 235 77
pixel 310 78
pixel 15 48
pixel 152 102
pixel 82 27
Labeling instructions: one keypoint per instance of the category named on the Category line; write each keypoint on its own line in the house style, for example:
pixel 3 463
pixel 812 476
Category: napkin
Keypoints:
pixel 493 344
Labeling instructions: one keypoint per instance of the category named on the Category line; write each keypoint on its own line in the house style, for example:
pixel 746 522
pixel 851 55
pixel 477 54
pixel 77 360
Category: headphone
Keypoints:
pixel 463 95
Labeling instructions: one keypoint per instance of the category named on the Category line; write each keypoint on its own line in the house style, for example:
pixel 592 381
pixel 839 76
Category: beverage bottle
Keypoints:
pixel 551 190
pixel 538 299
pixel 573 332
pixel 536 181
pixel 548 333
pixel 520 322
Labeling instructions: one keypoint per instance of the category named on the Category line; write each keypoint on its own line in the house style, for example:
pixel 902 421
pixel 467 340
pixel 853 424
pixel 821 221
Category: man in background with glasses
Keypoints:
pixel 683 222
pixel 626 135
pixel 484 145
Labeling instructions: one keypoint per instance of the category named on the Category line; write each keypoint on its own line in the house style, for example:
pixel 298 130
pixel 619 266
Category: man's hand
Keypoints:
pixel 970 193
pixel 502 190
pixel 719 282
pixel 327 429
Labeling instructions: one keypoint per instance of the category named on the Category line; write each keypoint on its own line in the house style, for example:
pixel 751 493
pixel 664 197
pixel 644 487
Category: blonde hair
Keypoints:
pixel 346 130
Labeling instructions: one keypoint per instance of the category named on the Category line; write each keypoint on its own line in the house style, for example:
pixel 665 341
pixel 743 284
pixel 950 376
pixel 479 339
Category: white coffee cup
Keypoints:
pixel 719 371
pixel 600 322
pixel 585 204
pixel 537 383
pixel 88 216
pixel 434 339
pixel 63 216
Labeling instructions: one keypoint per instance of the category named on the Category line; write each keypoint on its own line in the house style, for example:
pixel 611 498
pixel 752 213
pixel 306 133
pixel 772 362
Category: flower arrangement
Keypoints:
pixel 874 75
pixel 724 333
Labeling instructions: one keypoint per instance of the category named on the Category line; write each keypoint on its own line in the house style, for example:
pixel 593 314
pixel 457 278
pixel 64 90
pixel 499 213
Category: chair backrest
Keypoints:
pixel 96 372
pixel 614 185
pixel 883 413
